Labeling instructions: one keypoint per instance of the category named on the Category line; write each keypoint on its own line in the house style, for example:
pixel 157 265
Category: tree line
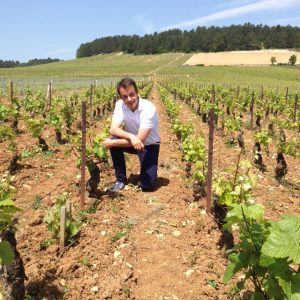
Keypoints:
pixel 31 62
pixel 201 39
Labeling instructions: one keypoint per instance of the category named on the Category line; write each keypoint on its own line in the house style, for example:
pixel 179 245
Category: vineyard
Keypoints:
pixel 223 222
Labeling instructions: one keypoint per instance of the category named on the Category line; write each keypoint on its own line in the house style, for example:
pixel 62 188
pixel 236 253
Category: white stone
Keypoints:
pixel 188 273
pixel 95 289
pixel 176 233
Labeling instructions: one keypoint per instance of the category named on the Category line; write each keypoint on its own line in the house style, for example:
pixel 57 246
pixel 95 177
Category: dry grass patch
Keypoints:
pixel 255 57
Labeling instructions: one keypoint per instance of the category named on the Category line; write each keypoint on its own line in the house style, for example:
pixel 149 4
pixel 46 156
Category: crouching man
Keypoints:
pixel 134 130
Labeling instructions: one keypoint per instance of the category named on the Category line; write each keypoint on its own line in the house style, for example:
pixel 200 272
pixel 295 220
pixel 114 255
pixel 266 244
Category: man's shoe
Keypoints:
pixel 118 185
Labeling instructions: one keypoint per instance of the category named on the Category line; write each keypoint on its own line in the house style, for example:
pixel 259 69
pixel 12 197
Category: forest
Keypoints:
pixel 201 39
pixel 31 62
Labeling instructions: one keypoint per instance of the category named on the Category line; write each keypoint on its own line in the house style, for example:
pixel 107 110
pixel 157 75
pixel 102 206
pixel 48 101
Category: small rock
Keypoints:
pixel 123 246
pixel 117 254
pixel 128 265
pixel 103 233
pixel 36 221
pixel 107 294
pixel 160 236
pixel 27 187
pixel 176 233
pixel 49 274
pixel 95 289
pixel 188 273
pixel 62 282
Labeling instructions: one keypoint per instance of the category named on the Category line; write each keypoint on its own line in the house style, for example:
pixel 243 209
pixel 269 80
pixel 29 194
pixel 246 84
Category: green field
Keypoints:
pixel 118 65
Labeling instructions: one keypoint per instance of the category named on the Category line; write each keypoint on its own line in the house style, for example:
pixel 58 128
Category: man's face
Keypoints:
pixel 130 97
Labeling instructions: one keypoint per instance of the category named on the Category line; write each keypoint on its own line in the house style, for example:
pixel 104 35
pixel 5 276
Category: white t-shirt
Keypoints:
pixel 145 116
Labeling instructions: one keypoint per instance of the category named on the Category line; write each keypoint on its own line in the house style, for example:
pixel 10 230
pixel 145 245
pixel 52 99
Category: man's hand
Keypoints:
pixel 137 144
pixel 108 143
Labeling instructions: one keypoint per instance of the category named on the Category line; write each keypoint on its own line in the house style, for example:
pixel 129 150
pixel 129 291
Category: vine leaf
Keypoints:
pixel 6 253
pixel 284 238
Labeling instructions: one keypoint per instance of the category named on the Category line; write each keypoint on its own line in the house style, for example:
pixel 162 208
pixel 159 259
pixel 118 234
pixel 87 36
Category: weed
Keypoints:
pixel 85 262
pixel 213 284
pixel 115 209
pixel 37 199
pixel 199 227
pixel 127 291
pixel 118 236
pixel 45 244
pixel 192 259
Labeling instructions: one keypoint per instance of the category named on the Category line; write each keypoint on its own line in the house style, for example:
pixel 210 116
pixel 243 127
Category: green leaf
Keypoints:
pixel 73 228
pixel 273 289
pixel 7 202
pixel 251 212
pixel 284 238
pixel 257 296
pixel 232 268
pixel 265 260
pixel 295 287
pixel 6 254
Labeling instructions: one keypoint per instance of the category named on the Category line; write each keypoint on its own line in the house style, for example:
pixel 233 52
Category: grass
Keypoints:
pixel 109 68
pixel 106 65
pixel 255 77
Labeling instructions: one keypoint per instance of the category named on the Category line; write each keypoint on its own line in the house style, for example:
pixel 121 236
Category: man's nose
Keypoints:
pixel 130 98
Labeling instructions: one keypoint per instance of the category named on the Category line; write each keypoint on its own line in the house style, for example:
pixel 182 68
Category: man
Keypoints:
pixel 135 130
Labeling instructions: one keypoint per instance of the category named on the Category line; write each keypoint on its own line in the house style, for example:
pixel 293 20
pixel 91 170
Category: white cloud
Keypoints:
pixel 145 23
pixel 264 5
pixel 233 3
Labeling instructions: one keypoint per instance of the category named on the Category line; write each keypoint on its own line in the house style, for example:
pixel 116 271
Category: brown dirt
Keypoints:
pixel 170 250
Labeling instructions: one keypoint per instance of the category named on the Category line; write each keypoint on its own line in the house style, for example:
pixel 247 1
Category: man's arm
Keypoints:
pixel 126 139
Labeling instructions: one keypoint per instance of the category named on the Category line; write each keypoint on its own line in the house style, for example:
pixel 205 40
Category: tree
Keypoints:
pixel 293 60
pixel 273 60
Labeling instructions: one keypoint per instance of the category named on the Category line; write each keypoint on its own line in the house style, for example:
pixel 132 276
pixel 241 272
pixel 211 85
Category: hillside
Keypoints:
pixel 109 68
pixel 114 64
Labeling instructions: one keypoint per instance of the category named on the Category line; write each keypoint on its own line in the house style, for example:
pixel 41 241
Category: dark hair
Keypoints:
pixel 125 83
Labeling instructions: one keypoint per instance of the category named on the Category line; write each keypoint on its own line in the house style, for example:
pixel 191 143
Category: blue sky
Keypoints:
pixel 40 29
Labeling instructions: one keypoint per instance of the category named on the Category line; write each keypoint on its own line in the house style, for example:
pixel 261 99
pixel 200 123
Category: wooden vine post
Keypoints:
pixel 91 95
pixel 286 95
pixel 62 228
pixel 210 151
pixel 83 152
pixel 69 209
pixel 49 94
pixel 252 111
pixel 262 94
pixel 295 108
pixel 11 91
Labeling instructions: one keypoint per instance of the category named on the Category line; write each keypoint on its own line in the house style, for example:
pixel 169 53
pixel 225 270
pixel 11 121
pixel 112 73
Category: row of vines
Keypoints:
pixel 35 113
pixel 266 252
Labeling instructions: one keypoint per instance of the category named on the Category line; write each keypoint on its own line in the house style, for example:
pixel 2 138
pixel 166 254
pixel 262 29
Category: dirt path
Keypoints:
pixel 157 245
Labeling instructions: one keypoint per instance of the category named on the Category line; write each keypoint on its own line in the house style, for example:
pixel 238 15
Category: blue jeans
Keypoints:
pixel 148 161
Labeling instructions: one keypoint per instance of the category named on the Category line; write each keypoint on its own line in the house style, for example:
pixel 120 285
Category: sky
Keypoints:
pixel 41 29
